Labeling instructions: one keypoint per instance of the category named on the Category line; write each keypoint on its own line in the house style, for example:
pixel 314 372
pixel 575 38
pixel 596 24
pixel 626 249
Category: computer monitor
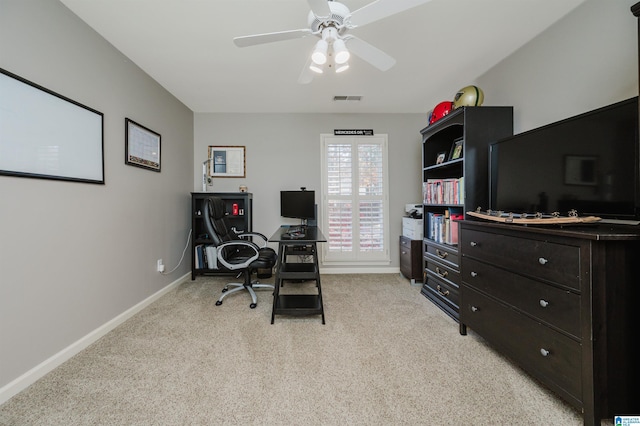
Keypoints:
pixel 298 204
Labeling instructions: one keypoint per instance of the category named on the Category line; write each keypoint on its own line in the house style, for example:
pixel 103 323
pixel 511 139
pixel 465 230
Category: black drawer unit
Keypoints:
pixel 411 259
pixel 442 277
pixel 560 303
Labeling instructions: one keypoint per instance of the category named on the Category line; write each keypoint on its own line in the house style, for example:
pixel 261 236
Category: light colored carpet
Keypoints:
pixel 386 356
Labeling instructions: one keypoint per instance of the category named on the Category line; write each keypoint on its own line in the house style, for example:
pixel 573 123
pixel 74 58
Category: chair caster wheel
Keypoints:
pixel 219 302
pixel 225 289
pixel 253 306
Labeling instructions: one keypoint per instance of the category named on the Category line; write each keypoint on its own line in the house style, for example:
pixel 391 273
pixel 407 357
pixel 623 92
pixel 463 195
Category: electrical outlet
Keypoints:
pixel 160 266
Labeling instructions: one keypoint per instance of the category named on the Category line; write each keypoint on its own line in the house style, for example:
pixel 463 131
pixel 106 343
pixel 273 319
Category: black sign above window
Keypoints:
pixel 353 132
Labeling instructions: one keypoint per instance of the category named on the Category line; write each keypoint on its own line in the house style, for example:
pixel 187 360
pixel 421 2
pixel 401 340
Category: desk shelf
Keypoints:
pixel 296 271
pixel 305 269
pixel 299 304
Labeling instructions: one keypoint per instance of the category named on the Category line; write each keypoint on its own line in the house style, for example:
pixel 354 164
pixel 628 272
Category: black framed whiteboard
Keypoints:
pixel 46 135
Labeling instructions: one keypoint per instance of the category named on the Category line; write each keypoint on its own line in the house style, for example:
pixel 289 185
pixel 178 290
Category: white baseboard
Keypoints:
pixel 27 379
pixel 361 270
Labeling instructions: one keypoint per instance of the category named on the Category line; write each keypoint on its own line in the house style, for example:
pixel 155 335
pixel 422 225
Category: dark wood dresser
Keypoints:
pixel 411 259
pixel 562 303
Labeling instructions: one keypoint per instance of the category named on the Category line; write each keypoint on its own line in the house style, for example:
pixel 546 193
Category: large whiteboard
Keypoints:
pixel 46 135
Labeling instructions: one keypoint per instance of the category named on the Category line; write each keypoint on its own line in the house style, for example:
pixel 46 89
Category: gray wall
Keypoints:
pixel 586 60
pixel 74 256
pixel 283 152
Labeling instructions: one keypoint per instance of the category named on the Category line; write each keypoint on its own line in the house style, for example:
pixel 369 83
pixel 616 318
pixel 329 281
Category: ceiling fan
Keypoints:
pixel 331 22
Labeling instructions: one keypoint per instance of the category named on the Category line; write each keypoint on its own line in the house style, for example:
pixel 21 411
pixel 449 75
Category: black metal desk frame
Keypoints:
pixel 297 304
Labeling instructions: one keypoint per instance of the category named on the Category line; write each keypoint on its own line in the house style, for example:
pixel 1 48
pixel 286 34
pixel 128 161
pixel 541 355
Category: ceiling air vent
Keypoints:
pixel 347 98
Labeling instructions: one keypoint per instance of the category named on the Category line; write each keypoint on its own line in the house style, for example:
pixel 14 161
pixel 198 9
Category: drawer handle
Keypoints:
pixel 474 309
pixel 442 293
pixel 543 261
pixel 441 254
pixel 544 303
pixel 544 352
pixel 474 274
pixel 443 274
pixel 473 243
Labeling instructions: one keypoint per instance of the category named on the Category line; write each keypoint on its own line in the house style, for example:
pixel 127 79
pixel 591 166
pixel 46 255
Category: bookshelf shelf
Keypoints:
pixel 239 207
pixel 466 185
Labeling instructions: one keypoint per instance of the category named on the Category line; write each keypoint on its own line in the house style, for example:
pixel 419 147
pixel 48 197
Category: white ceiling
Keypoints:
pixel 187 46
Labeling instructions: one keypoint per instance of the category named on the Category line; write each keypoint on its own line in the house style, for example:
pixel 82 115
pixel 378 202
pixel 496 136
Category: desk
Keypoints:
pixel 297 304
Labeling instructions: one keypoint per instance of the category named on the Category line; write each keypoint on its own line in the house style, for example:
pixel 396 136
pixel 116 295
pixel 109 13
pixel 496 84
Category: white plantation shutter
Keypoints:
pixel 340 226
pixel 355 199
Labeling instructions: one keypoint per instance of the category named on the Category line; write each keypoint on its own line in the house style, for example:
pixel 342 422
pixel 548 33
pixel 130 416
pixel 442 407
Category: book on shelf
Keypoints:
pixel 443 191
pixel 212 256
pixel 198 256
pixel 206 256
pixel 443 227
pixel 454 226
pixel 433 220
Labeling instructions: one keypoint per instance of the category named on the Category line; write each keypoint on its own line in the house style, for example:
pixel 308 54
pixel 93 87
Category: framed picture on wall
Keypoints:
pixel 142 146
pixel 46 135
pixel 227 161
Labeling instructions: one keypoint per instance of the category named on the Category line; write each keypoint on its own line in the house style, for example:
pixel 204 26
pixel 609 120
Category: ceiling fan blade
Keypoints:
pixel 320 8
pixel 306 76
pixel 381 9
pixel 252 40
pixel 369 53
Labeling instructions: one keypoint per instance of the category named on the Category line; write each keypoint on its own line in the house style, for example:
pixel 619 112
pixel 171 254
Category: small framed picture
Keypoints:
pixel 441 157
pixel 456 150
pixel 227 161
pixel 141 146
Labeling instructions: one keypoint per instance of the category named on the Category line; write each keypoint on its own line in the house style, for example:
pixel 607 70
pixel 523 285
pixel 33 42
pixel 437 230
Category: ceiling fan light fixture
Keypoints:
pixel 331 21
pixel 319 55
pixel 341 53
pixel 315 68
pixel 342 67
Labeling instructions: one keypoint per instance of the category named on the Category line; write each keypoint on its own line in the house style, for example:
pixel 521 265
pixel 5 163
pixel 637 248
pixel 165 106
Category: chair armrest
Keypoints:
pixel 255 234
pixel 242 265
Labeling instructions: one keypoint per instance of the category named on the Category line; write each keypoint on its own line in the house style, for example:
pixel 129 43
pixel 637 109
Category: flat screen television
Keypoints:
pixel 298 204
pixel 589 163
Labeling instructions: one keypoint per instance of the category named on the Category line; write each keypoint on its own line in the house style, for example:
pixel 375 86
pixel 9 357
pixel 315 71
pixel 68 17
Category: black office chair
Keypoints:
pixel 236 252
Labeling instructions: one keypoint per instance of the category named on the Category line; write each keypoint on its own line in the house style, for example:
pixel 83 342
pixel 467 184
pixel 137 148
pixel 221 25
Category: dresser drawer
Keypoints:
pixel 446 255
pixel 552 305
pixel 443 288
pixel 546 354
pixel 443 273
pixel 543 259
pixel 408 244
pixel 405 259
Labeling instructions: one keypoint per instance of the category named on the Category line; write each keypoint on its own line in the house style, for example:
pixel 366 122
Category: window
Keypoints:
pixel 355 199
